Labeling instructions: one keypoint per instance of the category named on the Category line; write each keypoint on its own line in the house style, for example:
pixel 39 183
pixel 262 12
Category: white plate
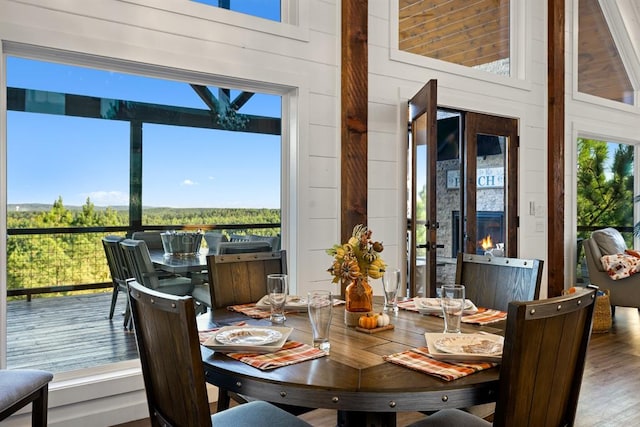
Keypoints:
pixel 432 306
pixel 248 336
pixel 214 344
pixel 294 303
pixel 465 347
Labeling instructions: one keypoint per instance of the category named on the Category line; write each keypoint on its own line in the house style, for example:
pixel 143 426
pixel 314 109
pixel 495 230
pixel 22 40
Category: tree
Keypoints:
pixel 604 195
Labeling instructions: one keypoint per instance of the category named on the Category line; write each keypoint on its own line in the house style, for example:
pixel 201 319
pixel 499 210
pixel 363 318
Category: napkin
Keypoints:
pixel 250 310
pixel 407 304
pixel 291 352
pixel 419 359
pixel 484 316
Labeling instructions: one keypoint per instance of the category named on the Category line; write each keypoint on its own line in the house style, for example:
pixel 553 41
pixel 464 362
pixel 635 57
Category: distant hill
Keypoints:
pixel 44 207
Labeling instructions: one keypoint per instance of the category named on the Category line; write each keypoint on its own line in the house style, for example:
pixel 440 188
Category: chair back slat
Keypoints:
pixel 167 338
pixel 242 278
pixel 543 360
pixel 493 282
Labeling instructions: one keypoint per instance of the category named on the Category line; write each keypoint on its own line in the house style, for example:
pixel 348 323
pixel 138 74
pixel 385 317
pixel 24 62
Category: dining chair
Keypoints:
pixel 242 278
pixel 243 247
pixel 118 270
pixel 493 282
pixel 19 387
pixel 174 380
pixel 543 360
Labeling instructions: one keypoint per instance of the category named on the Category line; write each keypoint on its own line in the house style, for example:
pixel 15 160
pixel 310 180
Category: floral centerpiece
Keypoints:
pixel 353 264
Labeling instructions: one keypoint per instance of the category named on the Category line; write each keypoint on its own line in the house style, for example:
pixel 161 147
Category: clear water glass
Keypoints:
pixel 452 301
pixel 320 305
pixel 277 289
pixel 390 285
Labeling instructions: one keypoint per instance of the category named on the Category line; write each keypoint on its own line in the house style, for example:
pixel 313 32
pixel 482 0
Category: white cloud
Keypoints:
pixel 188 182
pixel 106 198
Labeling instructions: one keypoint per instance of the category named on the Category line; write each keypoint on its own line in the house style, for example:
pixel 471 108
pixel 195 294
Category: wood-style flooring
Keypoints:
pixel 41 334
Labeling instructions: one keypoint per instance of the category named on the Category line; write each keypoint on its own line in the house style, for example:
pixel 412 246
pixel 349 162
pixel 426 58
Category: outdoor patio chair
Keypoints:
pixel 118 270
pixel 213 239
pixel 141 268
pixel 542 365
pixel 19 387
pixel 174 380
pixel 243 247
pixel 153 239
pixel 493 282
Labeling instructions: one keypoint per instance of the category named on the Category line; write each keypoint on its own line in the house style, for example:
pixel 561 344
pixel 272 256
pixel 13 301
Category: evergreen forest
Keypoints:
pixel 63 258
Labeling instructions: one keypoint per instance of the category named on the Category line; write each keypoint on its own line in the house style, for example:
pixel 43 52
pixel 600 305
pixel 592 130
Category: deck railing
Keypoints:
pixel 63 260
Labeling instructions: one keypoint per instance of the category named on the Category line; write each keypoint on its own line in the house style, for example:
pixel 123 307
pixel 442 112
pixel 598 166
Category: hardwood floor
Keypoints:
pixel 39 331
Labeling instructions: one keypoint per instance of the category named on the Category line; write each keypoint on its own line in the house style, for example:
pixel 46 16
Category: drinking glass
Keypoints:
pixel 320 304
pixel 452 302
pixel 390 284
pixel 277 292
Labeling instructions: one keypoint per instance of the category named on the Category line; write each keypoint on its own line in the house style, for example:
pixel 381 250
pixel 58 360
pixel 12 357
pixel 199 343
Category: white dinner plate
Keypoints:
pixel 465 347
pixel 216 345
pixel 248 336
pixel 432 306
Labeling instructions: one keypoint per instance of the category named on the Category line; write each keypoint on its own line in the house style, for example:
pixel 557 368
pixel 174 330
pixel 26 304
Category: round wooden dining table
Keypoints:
pixel 354 379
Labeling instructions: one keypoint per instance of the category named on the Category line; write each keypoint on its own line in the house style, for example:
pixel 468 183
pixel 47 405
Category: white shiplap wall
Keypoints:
pixel 190 41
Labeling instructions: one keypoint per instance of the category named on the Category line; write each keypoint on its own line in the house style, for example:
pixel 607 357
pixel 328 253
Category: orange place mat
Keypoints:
pixel 407 305
pixel 484 316
pixel 418 359
pixel 205 334
pixel 291 352
pixel 250 310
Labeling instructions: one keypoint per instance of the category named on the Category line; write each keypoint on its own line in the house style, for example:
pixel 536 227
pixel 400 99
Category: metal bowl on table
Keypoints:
pixel 181 243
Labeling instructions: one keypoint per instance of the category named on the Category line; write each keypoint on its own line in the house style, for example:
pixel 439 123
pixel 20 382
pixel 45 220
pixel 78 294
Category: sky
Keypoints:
pixel 54 155
pixel 78 158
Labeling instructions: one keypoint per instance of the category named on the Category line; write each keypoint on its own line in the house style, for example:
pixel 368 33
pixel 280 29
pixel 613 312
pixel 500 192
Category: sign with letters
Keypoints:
pixel 485 178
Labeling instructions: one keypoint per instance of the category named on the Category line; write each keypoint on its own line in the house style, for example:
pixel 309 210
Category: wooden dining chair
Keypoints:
pixel 172 370
pixel 543 359
pixel 118 270
pixel 242 278
pixel 493 282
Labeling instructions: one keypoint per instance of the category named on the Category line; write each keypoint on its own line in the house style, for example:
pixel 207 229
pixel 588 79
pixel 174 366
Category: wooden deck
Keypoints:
pixel 67 333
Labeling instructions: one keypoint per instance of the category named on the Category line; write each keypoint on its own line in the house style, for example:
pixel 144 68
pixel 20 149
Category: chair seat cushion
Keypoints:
pixel 201 293
pixel 256 413
pixel 175 286
pixel 16 384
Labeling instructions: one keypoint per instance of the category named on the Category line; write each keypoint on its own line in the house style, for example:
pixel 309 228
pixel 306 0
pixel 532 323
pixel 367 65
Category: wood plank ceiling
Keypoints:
pixel 476 32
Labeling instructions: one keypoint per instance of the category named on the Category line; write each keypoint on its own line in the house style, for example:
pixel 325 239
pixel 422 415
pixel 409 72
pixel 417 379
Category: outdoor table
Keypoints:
pixel 354 379
pixel 179 264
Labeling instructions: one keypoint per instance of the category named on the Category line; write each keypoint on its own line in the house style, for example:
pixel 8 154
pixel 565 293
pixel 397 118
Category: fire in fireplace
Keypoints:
pixel 490 229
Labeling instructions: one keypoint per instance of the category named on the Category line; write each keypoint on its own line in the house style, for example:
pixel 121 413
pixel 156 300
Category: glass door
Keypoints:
pixel 462 190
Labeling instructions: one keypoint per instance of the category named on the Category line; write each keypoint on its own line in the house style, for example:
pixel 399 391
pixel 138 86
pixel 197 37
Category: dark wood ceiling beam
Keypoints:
pixel 555 148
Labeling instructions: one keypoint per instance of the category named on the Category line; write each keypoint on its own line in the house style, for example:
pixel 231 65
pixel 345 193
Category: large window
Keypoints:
pixel 91 150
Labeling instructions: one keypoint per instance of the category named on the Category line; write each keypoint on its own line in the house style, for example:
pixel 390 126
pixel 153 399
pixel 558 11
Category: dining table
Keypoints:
pixel 353 378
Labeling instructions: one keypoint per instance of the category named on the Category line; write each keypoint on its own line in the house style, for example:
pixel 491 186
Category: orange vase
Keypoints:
pixel 359 298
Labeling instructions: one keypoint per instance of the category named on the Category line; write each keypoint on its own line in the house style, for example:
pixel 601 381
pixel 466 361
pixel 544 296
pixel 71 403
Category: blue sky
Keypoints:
pixel 53 155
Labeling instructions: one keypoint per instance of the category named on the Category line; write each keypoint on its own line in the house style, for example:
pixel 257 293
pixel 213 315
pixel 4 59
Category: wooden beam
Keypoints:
pixel 353 121
pixel 555 148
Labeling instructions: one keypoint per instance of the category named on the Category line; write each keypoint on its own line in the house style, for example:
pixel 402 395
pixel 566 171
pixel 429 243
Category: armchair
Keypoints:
pixel 623 292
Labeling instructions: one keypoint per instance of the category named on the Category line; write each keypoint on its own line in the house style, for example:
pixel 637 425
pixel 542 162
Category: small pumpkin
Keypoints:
pixel 383 320
pixel 368 321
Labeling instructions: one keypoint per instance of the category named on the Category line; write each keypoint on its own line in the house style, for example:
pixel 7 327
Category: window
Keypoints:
pixel 90 148
pixel 473 34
